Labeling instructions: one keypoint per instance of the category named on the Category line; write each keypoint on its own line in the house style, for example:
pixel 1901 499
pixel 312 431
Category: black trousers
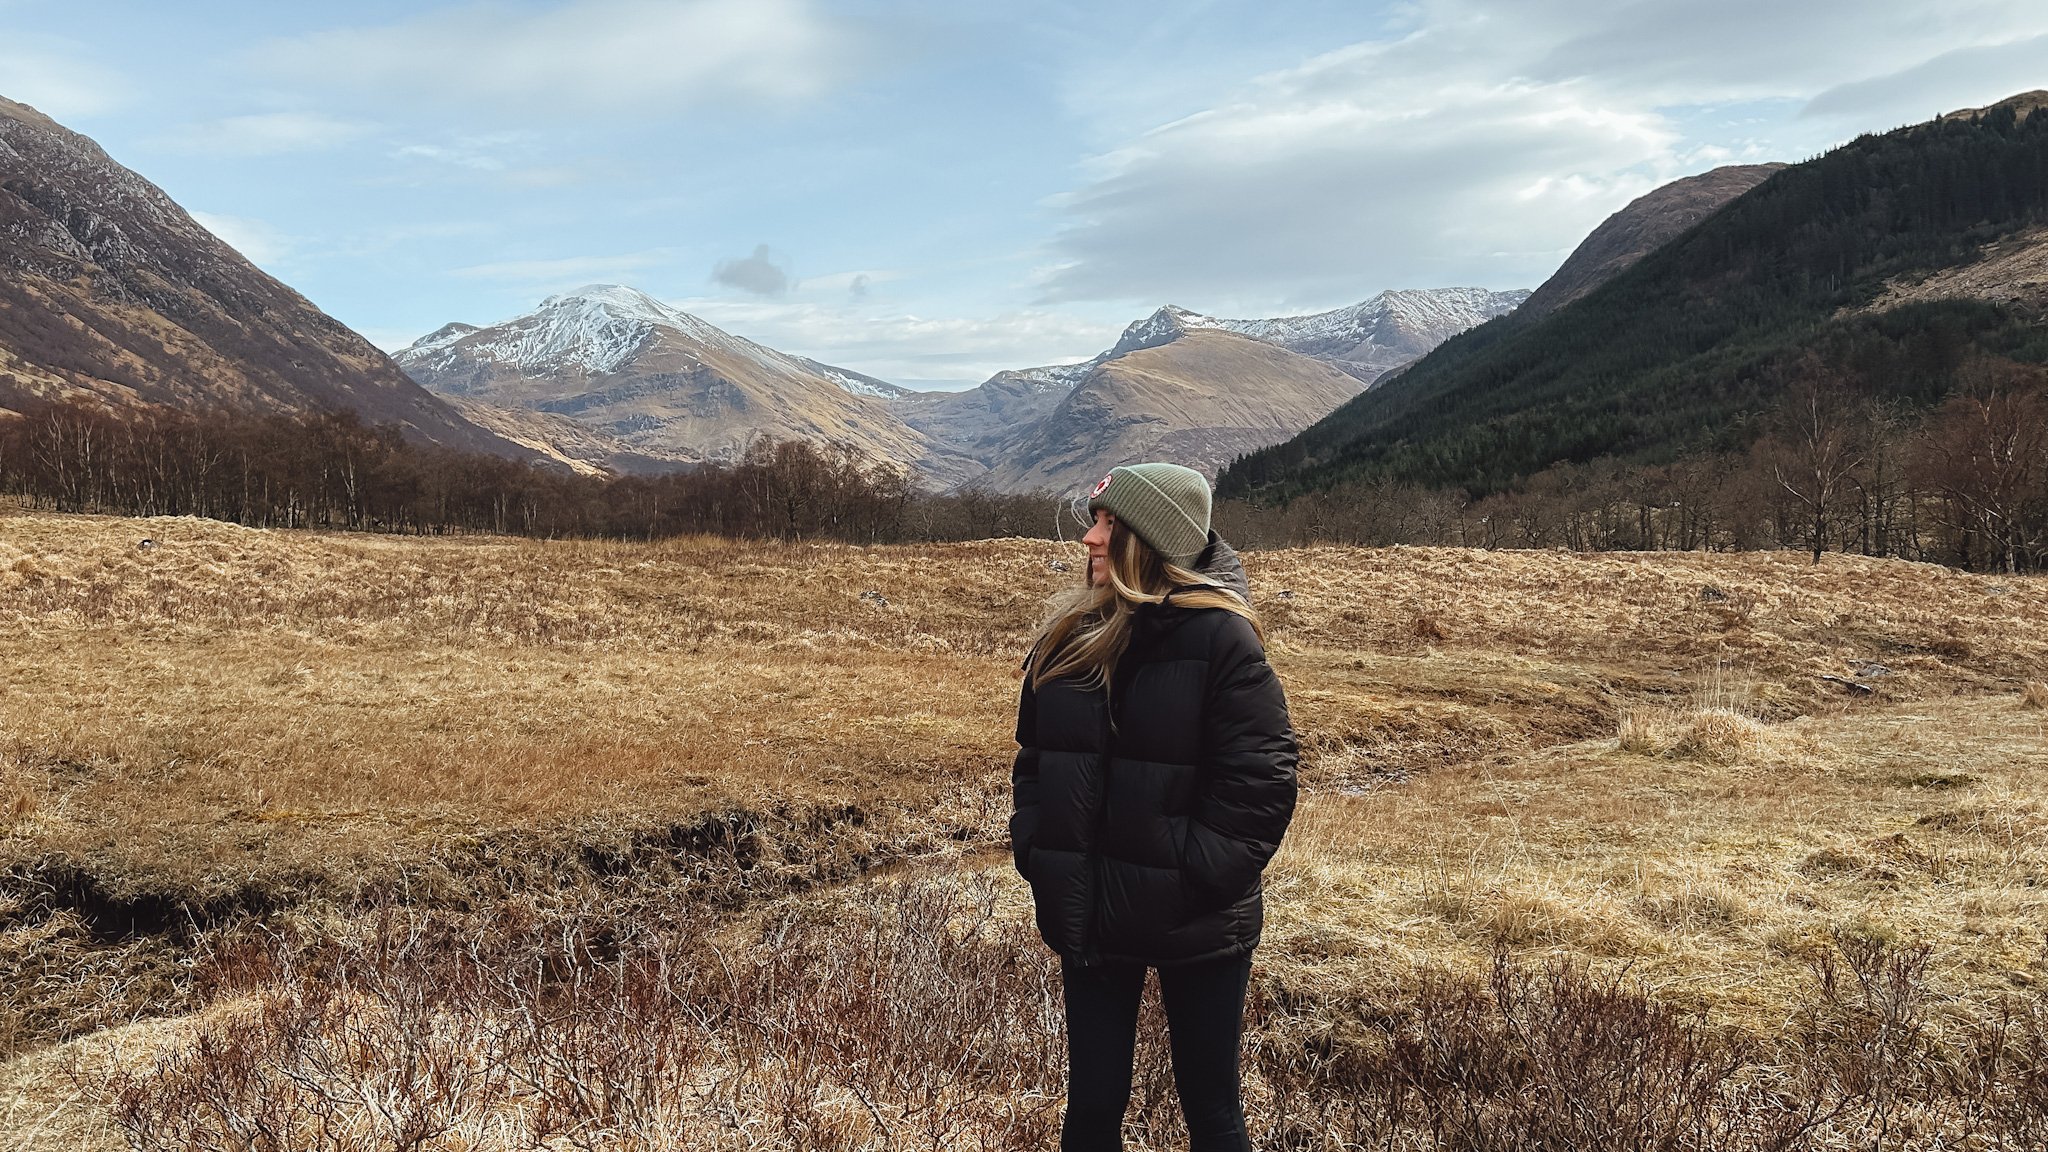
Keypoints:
pixel 1205 1025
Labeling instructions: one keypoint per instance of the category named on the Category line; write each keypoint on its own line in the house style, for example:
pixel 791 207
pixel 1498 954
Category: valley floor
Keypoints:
pixel 1724 776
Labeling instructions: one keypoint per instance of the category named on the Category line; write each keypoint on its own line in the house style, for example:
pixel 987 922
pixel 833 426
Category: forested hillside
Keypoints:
pixel 1693 350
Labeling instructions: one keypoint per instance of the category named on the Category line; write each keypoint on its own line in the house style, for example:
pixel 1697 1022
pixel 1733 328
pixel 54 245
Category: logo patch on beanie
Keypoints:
pixel 1100 485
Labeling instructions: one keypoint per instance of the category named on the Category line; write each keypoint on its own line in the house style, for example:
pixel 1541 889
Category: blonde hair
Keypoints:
pixel 1091 626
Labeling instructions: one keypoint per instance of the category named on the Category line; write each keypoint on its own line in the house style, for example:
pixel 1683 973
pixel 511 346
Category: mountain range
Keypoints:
pixel 1894 261
pixel 648 386
pixel 1189 387
pixel 1365 340
pixel 116 295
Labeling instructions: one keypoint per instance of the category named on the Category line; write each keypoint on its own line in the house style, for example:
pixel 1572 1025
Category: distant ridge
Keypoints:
pixel 1185 386
pixel 1364 339
pixel 1201 399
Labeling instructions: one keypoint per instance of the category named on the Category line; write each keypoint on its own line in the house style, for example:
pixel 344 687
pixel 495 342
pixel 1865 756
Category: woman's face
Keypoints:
pixel 1097 541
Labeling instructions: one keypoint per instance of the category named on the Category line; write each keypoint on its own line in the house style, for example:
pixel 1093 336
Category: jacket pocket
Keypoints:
pixel 1023 825
pixel 1192 901
pixel 1217 870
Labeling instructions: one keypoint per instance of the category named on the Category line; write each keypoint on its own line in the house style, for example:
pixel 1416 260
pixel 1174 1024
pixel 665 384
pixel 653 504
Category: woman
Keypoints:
pixel 1154 779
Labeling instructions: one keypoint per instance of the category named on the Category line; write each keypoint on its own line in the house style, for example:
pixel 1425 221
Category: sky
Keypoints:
pixel 929 191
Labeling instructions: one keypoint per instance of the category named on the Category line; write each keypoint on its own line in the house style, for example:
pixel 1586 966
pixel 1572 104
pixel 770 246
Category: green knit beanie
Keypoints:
pixel 1165 504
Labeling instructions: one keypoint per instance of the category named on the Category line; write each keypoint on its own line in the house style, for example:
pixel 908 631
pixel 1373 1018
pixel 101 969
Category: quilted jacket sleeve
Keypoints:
pixel 1248 785
pixel 1024 779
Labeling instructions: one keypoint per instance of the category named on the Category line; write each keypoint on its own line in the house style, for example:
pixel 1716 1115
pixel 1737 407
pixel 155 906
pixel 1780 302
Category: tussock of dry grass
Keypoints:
pixel 2034 694
pixel 1716 877
pixel 1719 734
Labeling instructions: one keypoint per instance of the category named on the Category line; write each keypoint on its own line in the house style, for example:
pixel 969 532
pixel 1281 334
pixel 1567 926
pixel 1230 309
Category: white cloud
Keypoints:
pixel 461 158
pixel 1964 78
pixel 266 134
pixel 581 56
pixel 503 159
pixel 1681 51
pixel 1303 195
pixel 263 243
pixel 58 78
pixel 1484 140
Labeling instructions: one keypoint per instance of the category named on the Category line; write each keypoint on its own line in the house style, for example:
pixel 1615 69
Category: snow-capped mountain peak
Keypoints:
pixel 603 329
pixel 1168 323
pixel 1364 338
pixel 439 338
pixel 598 328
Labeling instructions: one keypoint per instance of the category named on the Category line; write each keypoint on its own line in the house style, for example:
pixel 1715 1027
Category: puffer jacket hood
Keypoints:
pixel 1220 562
pixel 1144 830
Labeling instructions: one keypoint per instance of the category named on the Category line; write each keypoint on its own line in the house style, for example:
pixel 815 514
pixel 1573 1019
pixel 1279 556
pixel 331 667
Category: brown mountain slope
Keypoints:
pixel 1201 400
pixel 2012 271
pixel 664 382
pixel 578 446
pixel 1645 225
pixel 1015 412
pixel 981 419
pixel 109 290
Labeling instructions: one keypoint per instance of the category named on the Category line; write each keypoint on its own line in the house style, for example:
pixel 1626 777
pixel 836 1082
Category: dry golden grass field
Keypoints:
pixel 304 838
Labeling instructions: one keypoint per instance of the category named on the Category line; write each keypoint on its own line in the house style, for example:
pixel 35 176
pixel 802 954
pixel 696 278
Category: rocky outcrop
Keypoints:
pixel 2012 272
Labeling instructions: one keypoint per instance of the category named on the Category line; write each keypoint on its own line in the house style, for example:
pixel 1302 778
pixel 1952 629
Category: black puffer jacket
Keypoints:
pixel 1144 840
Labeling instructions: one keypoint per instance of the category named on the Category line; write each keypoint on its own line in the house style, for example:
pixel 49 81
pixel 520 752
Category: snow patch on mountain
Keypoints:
pixel 855 382
pixel 599 329
pixel 1399 324
pixel 438 339
pixel 1062 378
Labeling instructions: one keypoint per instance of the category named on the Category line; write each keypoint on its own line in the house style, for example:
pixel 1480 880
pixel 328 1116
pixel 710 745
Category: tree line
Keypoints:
pixel 1832 469
pixel 332 471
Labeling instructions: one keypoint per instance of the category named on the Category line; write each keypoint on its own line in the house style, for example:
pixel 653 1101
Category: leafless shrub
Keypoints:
pixel 923 1015
pixel 918 1018
pixel 1550 1057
